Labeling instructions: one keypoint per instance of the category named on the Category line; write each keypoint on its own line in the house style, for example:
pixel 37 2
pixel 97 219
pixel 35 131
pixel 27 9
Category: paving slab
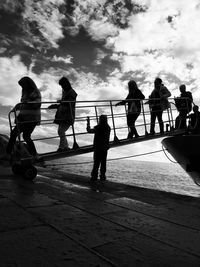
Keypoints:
pixel 44 246
pixel 80 225
pixel 68 221
pixel 175 235
pixel 179 214
pixel 139 250
pixel 14 217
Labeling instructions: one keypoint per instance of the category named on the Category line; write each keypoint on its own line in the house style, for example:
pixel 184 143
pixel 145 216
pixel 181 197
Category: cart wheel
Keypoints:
pixel 17 169
pixel 29 172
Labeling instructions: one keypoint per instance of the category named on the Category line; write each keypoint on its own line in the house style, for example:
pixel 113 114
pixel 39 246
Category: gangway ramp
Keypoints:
pixel 82 142
pixel 88 149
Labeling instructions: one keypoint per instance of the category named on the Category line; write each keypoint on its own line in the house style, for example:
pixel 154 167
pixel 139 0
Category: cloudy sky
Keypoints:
pixel 99 45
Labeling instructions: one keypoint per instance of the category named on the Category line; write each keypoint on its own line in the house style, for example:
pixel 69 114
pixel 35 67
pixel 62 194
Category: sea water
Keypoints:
pixel 169 177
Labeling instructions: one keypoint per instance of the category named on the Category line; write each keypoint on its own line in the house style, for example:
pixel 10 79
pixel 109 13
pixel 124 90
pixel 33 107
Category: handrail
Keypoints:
pixel 93 109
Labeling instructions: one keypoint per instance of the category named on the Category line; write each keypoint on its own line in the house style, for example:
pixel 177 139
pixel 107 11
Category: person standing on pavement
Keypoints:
pixel 101 146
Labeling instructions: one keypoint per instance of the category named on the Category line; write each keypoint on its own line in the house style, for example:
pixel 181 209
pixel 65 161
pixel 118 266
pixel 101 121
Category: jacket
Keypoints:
pixel 101 137
pixel 66 111
pixel 30 112
pixel 134 106
pixel 159 98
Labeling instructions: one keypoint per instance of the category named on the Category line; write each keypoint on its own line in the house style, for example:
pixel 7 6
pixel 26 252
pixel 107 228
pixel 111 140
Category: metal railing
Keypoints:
pixel 47 131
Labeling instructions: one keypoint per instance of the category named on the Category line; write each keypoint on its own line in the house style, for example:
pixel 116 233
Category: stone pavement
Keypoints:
pixel 65 220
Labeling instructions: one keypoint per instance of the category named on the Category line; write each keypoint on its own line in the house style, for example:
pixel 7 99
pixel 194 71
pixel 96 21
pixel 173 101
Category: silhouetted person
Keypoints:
pixel 101 146
pixel 184 106
pixel 194 124
pixel 29 115
pixel 134 107
pixel 65 114
pixel 158 102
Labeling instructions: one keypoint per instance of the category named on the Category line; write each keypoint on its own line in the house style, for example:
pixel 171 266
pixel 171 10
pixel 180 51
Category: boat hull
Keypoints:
pixel 185 150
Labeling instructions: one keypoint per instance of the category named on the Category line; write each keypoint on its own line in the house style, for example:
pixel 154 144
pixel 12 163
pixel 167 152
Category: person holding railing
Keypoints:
pixel 101 146
pixel 29 115
pixel 158 102
pixel 184 106
pixel 133 99
pixel 65 114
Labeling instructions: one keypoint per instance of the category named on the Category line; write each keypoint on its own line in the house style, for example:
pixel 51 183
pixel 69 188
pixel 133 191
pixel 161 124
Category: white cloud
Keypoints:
pixel 12 70
pixel 101 29
pixel 161 41
pixel 99 56
pixel 68 59
pixel 46 15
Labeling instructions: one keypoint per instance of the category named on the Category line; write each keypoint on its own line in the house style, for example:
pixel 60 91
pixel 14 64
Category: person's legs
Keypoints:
pixel 153 119
pixel 183 116
pixel 129 124
pixel 131 118
pixel 97 160
pixel 13 135
pixel 27 129
pixel 103 164
pixel 62 128
pixel 160 121
pixel 133 128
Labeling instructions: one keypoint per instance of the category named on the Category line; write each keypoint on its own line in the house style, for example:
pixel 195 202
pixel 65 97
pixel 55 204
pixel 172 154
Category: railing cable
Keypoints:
pixel 120 158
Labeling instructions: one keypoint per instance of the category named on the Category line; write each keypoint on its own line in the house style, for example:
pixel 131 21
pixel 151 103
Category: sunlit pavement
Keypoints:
pixel 65 220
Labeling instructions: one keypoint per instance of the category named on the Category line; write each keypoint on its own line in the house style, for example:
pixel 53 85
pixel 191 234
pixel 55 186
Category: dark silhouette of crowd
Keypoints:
pixel 29 116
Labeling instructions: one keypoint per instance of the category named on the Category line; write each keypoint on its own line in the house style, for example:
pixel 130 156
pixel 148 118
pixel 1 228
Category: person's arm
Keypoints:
pixel 53 106
pixel 123 102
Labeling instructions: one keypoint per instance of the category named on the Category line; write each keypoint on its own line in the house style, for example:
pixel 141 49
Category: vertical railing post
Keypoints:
pixel 168 114
pixel 96 113
pixel 188 110
pixel 126 112
pixel 144 119
pixel 75 145
pixel 18 130
pixel 172 119
pixel 113 122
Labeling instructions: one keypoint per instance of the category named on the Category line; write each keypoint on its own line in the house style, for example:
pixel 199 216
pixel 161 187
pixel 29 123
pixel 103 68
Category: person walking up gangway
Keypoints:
pixel 65 114
pixel 134 107
pixel 158 102
pixel 101 146
pixel 29 116
pixel 184 106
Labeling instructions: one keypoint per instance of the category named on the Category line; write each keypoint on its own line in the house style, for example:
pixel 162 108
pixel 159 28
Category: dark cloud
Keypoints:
pixel 119 11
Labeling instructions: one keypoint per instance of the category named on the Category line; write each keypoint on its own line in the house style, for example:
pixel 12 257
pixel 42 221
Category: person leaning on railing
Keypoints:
pixel 29 115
